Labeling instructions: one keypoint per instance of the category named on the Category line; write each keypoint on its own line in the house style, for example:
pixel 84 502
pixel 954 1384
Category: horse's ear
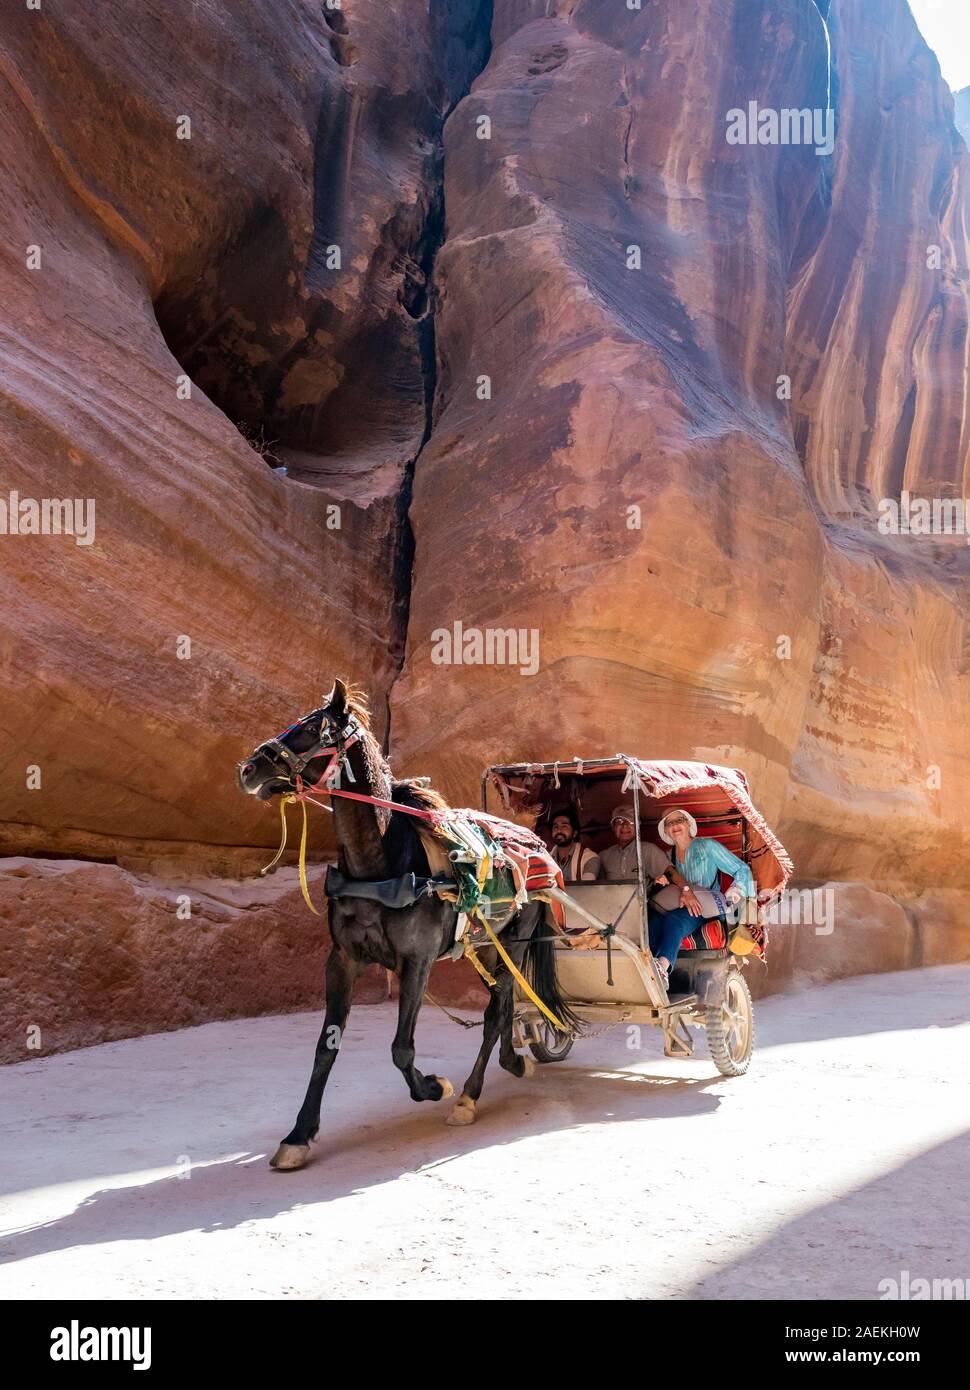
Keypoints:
pixel 337 699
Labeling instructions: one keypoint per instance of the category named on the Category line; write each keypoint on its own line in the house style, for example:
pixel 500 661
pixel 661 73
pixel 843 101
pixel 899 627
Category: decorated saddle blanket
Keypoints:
pixel 497 866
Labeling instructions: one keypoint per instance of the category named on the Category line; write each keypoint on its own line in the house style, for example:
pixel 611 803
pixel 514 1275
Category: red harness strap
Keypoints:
pixel 303 794
pixel 535 871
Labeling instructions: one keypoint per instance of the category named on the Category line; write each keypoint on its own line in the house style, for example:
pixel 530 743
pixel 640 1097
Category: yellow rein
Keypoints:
pixel 522 981
pixel 470 953
pixel 284 802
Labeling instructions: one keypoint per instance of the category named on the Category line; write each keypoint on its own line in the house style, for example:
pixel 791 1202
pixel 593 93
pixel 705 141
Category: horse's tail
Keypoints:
pixel 540 971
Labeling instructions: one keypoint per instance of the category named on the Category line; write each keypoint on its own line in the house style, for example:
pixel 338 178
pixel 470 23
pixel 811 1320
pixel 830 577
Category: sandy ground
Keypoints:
pixel 840 1160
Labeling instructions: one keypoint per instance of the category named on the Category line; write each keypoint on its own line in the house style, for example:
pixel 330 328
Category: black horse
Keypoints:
pixel 378 844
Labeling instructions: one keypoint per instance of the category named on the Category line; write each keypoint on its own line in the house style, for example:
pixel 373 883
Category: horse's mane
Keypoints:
pixel 408 791
pixel 359 705
pixel 411 791
pixel 402 841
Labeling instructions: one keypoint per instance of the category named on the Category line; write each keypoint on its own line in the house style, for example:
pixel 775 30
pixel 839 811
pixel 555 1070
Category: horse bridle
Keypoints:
pixel 332 741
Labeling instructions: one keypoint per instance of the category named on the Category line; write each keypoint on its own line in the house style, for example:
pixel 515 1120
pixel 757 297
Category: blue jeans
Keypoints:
pixel 666 930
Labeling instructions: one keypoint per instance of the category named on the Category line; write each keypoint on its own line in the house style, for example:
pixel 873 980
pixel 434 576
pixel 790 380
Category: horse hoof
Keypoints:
pixel 528 1067
pixel 289 1156
pixel 463 1112
pixel 446 1087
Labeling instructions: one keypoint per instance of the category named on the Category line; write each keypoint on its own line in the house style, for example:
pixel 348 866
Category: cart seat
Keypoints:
pixel 605 901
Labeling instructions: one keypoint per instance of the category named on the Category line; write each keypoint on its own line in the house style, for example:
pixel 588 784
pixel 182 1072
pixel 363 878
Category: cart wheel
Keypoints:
pixel 730 1028
pixel 554 1045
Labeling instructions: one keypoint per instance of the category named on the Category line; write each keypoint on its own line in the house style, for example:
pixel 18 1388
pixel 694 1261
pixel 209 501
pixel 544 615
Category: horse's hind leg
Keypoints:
pixel 414 980
pixel 508 1058
pixel 498 1018
pixel 341 974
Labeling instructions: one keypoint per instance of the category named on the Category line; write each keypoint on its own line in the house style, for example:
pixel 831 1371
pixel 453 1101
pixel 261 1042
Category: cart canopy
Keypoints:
pixel 717 797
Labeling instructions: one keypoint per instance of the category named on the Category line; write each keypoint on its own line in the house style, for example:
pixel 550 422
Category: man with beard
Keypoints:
pixel 578 864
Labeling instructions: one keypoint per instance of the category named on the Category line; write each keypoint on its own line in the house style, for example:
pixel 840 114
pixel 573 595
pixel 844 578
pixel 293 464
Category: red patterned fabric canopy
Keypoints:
pixel 717 797
pixel 707 791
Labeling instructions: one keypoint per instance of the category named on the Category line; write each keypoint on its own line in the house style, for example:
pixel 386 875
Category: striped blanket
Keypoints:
pixel 504 864
pixel 522 846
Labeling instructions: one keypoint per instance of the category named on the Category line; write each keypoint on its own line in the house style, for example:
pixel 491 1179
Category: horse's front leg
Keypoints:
pixel 414 981
pixel 342 971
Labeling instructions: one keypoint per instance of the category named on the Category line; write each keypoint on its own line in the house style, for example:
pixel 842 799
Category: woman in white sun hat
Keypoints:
pixel 699 861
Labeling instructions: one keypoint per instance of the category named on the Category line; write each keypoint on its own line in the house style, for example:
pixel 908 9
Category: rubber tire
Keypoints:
pixel 717 1041
pixel 542 1052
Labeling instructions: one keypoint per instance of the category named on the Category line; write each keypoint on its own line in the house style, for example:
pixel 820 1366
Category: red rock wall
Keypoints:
pixel 208 257
pixel 113 954
pixel 614 388
pixel 302 137
pixel 697 554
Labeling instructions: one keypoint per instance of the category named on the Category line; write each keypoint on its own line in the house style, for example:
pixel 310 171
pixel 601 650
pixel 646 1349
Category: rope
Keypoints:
pixel 454 1017
pixel 473 958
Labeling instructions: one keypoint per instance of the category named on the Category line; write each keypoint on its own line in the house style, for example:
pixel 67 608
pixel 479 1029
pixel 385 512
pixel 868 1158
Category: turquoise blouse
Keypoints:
pixel 703 860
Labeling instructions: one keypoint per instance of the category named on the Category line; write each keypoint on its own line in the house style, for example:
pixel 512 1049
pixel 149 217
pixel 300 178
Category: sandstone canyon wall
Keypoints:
pixel 490 282
pixel 756 616
pixel 961 106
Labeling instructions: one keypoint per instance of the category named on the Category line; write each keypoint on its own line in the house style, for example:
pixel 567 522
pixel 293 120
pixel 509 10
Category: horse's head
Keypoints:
pixel 309 749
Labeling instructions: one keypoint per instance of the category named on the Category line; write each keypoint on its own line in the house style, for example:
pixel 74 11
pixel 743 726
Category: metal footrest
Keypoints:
pixel 678 1041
